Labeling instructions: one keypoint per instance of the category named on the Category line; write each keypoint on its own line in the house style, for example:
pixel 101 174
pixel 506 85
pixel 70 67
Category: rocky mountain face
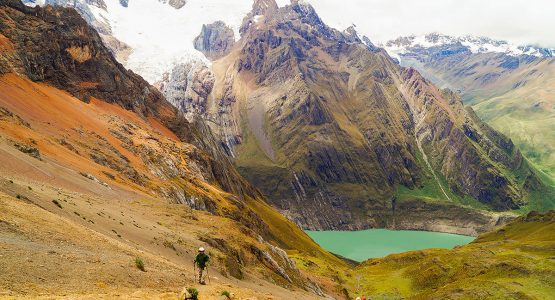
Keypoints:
pixel 337 135
pixel 509 86
pixel 187 87
pixel 85 68
pixel 149 147
pixel 215 40
pixel 88 9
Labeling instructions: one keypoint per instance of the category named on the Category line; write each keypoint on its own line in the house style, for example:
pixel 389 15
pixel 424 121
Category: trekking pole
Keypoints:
pixel 207 274
pixel 194 272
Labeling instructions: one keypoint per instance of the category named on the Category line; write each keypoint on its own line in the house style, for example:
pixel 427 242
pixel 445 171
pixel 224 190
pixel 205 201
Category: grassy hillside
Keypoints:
pixel 519 102
pixel 513 262
pixel 527 115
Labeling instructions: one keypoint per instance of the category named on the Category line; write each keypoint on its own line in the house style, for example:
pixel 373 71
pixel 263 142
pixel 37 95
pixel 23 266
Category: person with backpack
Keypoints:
pixel 201 261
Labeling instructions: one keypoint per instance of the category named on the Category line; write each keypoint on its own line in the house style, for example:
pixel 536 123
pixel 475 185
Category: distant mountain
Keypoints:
pixel 511 87
pixel 447 45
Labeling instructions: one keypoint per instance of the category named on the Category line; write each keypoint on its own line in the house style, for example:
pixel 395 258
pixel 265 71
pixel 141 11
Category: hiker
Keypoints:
pixel 201 261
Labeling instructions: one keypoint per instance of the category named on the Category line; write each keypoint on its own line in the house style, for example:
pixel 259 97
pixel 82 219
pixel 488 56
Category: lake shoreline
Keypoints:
pixel 362 245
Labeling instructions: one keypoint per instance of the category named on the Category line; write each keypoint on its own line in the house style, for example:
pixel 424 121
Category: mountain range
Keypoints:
pixel 253 130
pixel 509 87
pixel 334 133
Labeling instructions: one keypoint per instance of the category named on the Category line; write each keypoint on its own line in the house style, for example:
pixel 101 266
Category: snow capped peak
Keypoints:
pixel 474 44
pixel 160 33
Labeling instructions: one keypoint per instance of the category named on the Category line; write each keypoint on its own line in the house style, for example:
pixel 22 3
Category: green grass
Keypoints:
pixel 532 129
pixel 431 192
pixel 139 263
pixel 511 262
pixel 194 293
pixel 226 294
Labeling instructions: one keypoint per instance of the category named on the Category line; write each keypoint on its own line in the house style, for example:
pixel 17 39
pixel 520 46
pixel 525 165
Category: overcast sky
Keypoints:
pixel 518 21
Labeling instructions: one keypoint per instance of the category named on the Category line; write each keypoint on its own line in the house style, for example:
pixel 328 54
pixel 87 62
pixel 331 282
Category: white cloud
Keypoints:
pixel 518 21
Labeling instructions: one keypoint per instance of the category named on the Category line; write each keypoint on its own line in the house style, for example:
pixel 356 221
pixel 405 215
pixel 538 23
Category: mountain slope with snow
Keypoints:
pixel 408 44
pixel 160 35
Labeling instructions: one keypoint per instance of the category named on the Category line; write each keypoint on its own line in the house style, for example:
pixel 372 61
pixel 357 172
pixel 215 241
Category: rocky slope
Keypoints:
pixel 514 83
pixel 73 120
pixel 337 135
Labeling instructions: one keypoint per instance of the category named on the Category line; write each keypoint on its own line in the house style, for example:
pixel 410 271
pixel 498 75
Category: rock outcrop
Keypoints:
pixel 187 87
pixel 215 40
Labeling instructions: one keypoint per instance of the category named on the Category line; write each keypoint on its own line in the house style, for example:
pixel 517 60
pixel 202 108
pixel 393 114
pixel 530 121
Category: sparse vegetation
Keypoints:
pixel 169 245
pixel 140 264
pixel 226 294
pixel 194 293
pixel 57 203
pixel 109 175
pixel 31 151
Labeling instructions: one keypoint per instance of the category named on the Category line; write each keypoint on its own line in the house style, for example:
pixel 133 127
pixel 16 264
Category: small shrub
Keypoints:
pixel 226 294
pixel 30 188
pixel 193 292
pixel 169 244
pixel 11 181
pixel 18 196
pixel 109 175
pixel 140 264
pixel 57 203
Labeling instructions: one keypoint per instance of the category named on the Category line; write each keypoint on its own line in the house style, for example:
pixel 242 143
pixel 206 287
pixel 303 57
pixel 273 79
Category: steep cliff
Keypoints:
pixel 215 40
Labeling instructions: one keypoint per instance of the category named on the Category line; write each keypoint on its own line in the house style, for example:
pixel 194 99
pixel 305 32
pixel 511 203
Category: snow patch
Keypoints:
pixel 282 3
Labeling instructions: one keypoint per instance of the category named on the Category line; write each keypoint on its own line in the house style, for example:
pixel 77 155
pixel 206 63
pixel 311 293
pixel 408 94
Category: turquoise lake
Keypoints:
pixel 372 243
